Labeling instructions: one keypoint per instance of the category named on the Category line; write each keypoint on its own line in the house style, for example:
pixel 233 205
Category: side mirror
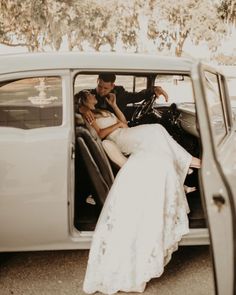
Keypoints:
pixel 177 78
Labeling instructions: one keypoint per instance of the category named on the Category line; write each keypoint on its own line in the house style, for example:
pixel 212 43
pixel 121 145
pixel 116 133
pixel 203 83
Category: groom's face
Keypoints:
pixel 104 88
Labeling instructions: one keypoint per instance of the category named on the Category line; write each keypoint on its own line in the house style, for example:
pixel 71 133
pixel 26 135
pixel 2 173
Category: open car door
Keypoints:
pixel 35 139
pixel 218 174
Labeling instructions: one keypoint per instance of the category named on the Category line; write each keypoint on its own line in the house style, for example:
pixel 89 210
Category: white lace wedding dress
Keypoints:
pixel 145 213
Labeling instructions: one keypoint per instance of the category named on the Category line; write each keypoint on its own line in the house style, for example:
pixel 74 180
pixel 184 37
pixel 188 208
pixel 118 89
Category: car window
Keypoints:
pixel 31 103
pixel 140 83
pixel 125 81
pixel 129 82
pixel 215 107
pixel 178 87
pixel 231 82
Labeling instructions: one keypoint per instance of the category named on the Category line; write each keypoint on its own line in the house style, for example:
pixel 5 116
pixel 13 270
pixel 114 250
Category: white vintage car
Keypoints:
pixel 55 172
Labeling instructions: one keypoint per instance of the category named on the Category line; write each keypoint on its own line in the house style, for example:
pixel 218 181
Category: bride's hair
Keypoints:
pixel 80 100
pixel 81 97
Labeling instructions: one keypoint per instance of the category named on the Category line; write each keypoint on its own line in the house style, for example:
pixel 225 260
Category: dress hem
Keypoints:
pixel 141 286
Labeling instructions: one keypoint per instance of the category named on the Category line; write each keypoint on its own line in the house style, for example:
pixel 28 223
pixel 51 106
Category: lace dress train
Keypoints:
pixel 145 213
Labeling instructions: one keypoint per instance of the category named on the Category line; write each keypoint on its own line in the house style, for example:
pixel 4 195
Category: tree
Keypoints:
pixel 40 23
pixel 92 25
pixel 227 10
pixel 171 23
pixel 228 60
pixel 35 23
pixel 45 22
pixel 127 23
pixel 17 25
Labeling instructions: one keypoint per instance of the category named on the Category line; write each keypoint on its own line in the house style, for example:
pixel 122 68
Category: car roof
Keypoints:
pixel 92 61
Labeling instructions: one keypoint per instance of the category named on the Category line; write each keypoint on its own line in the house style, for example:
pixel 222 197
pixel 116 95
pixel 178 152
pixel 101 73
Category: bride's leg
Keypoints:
pixel 179 153
pixel 195 163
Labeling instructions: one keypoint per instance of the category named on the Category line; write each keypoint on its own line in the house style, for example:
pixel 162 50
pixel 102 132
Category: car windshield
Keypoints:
pixel 178 87
pixel 231 82
pixel 230 73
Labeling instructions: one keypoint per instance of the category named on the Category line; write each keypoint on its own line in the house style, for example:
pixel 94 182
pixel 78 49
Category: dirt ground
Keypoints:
pixel 62 272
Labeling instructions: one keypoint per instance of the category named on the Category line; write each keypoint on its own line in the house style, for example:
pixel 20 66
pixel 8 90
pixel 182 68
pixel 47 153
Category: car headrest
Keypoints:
pixel 79 120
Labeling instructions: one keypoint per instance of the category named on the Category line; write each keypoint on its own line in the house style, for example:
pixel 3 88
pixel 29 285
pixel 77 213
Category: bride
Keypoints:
pixel 145 213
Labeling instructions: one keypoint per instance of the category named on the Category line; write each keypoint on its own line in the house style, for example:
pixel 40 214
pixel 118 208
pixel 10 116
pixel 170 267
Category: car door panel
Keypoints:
pixel 34 173
pixel 217 174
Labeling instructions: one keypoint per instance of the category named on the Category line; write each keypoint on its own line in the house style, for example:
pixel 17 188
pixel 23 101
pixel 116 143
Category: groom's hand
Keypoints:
pixel 111 99
pixel 159 91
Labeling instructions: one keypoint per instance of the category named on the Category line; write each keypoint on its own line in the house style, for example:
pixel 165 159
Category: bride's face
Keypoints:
pixel 91 101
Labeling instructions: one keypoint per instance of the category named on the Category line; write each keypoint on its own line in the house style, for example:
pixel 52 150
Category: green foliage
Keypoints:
pixel 96 23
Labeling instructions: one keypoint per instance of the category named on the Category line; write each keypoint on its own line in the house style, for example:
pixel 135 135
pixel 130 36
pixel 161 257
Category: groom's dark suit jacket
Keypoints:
pixel 123 98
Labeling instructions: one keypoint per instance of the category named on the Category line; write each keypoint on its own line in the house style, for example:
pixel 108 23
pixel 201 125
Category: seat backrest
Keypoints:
pixel 100 187
pixel 89 146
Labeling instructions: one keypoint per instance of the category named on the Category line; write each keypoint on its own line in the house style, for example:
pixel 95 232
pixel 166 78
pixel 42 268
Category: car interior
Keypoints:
pixel 97 161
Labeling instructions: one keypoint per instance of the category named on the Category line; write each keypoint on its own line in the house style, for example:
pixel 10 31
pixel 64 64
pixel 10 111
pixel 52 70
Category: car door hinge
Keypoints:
pixel 72 151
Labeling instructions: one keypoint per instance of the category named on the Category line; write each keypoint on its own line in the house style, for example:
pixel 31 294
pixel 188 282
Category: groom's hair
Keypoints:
pixel 107 77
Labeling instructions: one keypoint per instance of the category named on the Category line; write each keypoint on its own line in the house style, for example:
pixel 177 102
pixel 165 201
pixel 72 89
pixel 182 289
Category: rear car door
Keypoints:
pixel 35 137
pixel 218 174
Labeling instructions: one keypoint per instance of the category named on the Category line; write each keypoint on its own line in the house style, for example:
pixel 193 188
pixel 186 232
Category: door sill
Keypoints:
pixel 196 236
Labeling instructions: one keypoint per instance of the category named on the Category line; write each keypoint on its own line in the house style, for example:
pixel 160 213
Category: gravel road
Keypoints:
pixel 62 272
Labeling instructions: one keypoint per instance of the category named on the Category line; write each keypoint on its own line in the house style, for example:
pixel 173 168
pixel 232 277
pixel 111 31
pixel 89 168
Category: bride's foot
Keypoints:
pixel 189 189
pixel 195 163
pixel 190 171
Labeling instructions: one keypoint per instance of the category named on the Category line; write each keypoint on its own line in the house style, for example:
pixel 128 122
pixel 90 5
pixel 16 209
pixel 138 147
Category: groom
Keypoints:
pixel 106 85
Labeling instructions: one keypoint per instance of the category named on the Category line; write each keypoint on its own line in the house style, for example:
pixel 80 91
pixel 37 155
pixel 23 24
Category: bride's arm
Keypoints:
pixel 104 132
pixel 119 114
pixel 112 102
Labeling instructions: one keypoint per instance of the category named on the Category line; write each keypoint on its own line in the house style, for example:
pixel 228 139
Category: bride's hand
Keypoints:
pixel 111 99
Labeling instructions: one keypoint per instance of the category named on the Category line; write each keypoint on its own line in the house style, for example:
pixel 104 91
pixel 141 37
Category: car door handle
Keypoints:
pixel 219 201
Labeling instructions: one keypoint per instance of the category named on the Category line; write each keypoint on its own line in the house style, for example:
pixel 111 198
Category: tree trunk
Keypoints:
pixel 179 49
pixel 180 45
